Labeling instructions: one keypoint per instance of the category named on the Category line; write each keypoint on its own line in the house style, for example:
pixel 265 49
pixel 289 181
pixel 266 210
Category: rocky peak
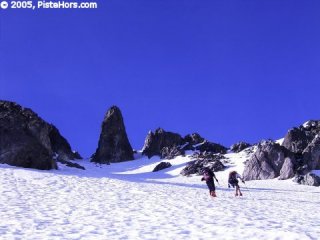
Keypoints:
pixel 193 139
pixel 239 146
pixel 312 125
pixel 169 145
pixel 114 145
pixel 156 141
pixel 296 140
pixel 311 154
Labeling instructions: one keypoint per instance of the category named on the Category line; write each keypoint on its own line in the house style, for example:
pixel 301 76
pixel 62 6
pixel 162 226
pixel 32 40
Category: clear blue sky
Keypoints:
pixel 230 70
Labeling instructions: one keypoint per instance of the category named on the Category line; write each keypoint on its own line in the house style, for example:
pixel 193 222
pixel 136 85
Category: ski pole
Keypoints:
pixel 218 182
pixel 247 189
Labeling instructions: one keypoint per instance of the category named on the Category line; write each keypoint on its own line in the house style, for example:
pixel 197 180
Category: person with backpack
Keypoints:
pixel 233 181
pixel 208 176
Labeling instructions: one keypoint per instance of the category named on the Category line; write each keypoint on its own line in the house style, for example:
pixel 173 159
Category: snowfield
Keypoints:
pixel 128 201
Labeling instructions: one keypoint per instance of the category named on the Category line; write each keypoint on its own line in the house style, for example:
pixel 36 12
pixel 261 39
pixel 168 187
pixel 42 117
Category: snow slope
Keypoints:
pixel 128 201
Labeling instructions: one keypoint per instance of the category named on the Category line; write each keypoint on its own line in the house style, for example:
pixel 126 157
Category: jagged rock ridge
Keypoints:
pixel 240 146
pixel 28 141
pixel 298 155
pixel 169 145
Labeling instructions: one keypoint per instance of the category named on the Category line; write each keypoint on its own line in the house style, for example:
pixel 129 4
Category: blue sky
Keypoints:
pixel 229 70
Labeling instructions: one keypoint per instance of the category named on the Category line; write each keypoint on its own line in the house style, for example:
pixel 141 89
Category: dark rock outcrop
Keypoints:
pixel 161 166
pixel 311 154
pixel 25 151
pixel 195 142
pixel 192 140
pixel 311 127
pixel 238 147
pixel 211 147
pixel 267 161
pixel 297 140
pixel 169 145
pixel 310 179
pixel 28 141
pixel 158 140
pixel 70 164
pixel 304 141
pixel 170 153
pixel 298 155
pixel 114 145
pixel 204 160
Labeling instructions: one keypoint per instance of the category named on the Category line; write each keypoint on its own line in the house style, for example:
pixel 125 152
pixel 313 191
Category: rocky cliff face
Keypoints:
pixel 156 141
pixel 28 141
pixel 311 154
pixel 296 140
pixel 239 146
pixel 304 141
pixel 298 155
pixel 169 144
pixel 267 161
pixel 113 145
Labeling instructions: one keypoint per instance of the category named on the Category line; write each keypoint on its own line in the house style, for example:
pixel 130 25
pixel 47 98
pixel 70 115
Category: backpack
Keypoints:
pixel 208 174
pixel 233 177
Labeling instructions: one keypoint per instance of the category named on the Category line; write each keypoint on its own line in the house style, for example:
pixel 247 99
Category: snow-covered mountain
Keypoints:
pixel 108 197
pixel 128 201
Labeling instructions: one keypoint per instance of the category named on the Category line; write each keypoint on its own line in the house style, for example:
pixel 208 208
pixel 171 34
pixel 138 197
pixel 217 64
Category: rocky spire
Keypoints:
pixel 114 145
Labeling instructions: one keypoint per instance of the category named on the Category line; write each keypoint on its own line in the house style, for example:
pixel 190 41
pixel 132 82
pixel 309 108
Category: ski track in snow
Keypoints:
pixel 127 201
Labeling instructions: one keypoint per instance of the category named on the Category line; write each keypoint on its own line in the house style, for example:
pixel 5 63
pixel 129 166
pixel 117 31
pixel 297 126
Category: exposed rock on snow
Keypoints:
pixel 310 179
pixel 211 147
pixel 238 147
pixel 267 161
pixel 169 145
pixel 61 147
pixel 312 126
pixel 288 169
pixel 156 141
pixel 192 140
pixel 297 140
pixel 195 142
pixel 161 166
pixel 28 141
pixel 311 154
pixel 114 145
pixel 203 160
pixel 70 164
pixel 170 153
pixel 304 141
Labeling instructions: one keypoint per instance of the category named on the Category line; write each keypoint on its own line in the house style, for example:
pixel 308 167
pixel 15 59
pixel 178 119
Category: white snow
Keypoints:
pixel 306 124
pixel 280 141
pixel 128 201
pixel 199 144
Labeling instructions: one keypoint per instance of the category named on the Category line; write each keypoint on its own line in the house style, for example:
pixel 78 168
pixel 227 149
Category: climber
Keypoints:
pixel 233 181
pixel 208 176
